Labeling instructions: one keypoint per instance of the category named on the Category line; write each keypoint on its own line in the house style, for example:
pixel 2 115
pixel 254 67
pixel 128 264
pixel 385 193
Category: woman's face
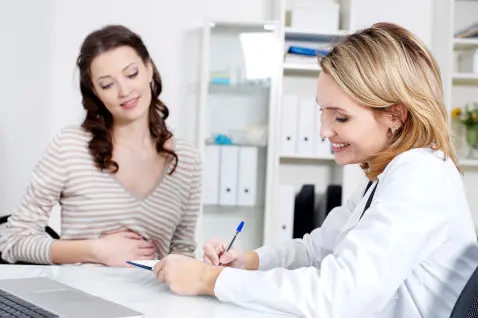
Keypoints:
pixel 355 132
pixel 121 80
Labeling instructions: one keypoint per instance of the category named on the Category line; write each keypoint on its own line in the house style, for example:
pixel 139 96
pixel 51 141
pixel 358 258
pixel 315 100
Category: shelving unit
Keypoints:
pixel 460 88
pixel 262 104
pixel 237 93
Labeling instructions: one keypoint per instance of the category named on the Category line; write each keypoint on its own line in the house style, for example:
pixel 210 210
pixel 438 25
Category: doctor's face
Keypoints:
pixel 355 131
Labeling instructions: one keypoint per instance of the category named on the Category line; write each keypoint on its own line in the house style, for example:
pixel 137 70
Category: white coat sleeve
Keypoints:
pixel 313 247
pixel 403 226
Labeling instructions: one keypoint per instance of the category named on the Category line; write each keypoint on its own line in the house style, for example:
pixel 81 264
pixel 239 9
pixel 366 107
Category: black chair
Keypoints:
pixel 467 304
pixel 48 230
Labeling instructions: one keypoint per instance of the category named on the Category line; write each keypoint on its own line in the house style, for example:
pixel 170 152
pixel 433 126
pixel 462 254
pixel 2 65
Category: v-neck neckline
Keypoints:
pixel 156 185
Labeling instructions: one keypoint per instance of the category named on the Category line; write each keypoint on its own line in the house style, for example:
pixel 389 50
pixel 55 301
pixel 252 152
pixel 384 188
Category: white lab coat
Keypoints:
pixel 409 256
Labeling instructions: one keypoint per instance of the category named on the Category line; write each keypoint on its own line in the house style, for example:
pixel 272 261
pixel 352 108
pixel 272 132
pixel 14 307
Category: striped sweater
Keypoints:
pixel 93 202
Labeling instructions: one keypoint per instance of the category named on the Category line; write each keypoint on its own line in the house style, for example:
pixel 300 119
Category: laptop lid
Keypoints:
pixel 64 300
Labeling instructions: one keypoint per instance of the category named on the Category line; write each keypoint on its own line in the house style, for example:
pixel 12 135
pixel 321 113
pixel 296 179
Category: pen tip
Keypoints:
pixel 240 226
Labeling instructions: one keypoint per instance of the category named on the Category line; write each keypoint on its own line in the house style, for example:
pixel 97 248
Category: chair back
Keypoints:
pixel 467 304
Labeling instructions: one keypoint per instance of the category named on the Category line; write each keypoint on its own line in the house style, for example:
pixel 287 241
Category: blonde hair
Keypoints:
pixel 387 65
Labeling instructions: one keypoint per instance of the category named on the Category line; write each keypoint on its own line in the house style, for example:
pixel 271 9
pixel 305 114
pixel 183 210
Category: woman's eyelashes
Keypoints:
pixel 106 86
pixel 130 76
pixel 341 119
pixel 133 75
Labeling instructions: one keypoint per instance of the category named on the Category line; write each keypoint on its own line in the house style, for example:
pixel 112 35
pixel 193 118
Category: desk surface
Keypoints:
pixel 133 288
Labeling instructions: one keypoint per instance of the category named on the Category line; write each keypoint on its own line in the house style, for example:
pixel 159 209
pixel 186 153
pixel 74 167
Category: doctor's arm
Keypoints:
pixel 368 265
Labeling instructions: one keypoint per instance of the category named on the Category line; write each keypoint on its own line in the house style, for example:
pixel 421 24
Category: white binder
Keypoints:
pixel 285 216
pixel 307 127
pixel 228 175
pixel 289 120
pixel 211 175
pixel 248 161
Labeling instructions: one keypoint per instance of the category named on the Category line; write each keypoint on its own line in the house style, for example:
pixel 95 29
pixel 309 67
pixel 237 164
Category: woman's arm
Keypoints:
pixel 183 241
pixel 24 238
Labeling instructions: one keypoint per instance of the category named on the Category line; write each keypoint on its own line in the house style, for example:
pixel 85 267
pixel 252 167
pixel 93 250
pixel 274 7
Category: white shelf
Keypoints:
pixel 465 79
pixel 460 43
pixel 468 163
pixel 238 89
pixel 314 36
pixel 306 158
pixel 301 68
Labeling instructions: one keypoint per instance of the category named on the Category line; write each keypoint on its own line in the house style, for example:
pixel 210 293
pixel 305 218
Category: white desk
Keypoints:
pixel 133 288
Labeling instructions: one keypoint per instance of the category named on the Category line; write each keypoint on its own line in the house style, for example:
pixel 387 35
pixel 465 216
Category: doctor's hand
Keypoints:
pixel 115 248
pixel 214 254
pixel 187 276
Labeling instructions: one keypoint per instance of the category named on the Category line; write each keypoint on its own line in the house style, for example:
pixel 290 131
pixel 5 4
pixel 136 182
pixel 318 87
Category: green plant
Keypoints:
pixel 470 116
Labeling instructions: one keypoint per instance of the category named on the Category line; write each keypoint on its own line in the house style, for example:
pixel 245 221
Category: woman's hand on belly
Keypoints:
pixel 116 248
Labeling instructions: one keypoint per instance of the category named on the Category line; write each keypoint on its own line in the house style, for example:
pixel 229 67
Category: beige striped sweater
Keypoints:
pixel 93 202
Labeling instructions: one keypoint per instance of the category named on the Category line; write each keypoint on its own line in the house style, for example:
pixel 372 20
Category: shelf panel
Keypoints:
pixel 295 34
pixel 465 79
pixel 240 26
pixel 306 159
pixel 237 144
pixel 465 43
pixel 467 163
pixel 238 89
pixel 301 69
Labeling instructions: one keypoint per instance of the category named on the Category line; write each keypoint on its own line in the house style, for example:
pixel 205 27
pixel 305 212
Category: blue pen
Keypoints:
pixel 238 230
pixel 140 265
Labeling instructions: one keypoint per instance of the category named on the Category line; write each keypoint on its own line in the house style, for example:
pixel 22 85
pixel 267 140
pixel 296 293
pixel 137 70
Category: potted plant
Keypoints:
pixel 469 118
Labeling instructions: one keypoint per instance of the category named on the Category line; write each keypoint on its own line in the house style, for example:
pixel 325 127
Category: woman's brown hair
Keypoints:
pixel 387 65
pixel 98 120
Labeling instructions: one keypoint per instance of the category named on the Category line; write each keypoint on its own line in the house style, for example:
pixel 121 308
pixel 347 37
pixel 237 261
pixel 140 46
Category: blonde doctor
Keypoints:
pixel 404 245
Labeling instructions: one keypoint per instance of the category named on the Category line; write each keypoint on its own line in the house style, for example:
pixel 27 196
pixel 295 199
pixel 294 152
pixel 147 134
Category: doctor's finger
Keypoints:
pixel 158 266
pixel 210 255
pixel 229 257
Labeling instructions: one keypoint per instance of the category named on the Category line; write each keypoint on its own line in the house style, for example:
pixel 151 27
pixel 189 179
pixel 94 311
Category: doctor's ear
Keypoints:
pixel 398 114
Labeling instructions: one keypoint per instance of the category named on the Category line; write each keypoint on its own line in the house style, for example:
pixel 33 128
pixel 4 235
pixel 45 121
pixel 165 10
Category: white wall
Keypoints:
pixel 26 93
pixel 417 16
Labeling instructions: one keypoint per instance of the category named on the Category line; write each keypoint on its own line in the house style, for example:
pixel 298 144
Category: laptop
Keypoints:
pixel 62 300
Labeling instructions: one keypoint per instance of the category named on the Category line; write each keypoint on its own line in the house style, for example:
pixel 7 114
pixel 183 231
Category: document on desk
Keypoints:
pixel 144 264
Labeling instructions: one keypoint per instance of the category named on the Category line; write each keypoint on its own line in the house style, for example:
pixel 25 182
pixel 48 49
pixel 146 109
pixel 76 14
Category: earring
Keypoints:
pixel 394 129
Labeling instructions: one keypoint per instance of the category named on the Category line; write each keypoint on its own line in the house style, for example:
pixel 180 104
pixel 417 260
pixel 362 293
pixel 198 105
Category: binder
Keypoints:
pixel 307 127
pixel 228 175
pixel 285 216
pixel 248 161
pixel 211 175
pixel 289 121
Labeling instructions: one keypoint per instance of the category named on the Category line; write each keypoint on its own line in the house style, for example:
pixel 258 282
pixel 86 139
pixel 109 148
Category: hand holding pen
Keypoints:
pixel 220 253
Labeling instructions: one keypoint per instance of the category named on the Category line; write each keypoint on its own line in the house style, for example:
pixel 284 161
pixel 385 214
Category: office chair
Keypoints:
pixel 48 230
pixel 467 304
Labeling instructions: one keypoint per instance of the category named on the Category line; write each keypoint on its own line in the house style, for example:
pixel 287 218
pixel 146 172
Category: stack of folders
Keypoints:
pixel 300 128
pixel 303 55
pixel 468 32
pixel 232 175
